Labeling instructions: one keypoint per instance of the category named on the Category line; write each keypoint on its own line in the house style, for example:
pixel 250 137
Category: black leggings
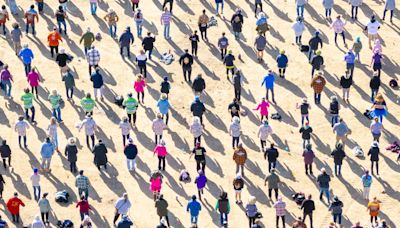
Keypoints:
pixel 376 165
pixel 194 49
pixel 308 167
pixel 34 90
pixel 256 6
pixel 230 69
pixel 45 216
pixel 138 96
pixel 203 32
pixel 132 117
pixel 235 142
pixel 9 161
pixel 251 221
pixel 282 71
pixel 87 140
pixel 166 219
pixel 270 193
pixel 277 220
pixel 124 138
pixel 263 144
pixel 391 14
pixel 342 33
pixel 374 218
pixel 52 49
pixel 143 70
pixel 157 138
pixel 223 52
pixel 298 39
pixel 197 140
pixel 161 162
pixel 72 167
pixel 166 118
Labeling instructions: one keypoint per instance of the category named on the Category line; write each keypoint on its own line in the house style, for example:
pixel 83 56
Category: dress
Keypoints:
pixel 155 184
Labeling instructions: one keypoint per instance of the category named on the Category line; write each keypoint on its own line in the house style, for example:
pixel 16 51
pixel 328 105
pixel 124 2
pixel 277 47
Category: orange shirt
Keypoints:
pixel 373 208
pixel 54 38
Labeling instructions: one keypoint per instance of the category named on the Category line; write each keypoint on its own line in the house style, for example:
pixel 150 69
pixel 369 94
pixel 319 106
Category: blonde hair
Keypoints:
pixel 163 96
pixel 252 200
pixel 379 97
pixel 54 92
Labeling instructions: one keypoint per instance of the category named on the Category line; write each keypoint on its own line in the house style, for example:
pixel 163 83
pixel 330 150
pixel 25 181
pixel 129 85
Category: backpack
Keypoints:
pixel 167 58
pixel 165 87
pixel 212 22
pixel 298 197
pixel 184 176
pixel 304 48
pixel 393 84
pixel 119 100
pixel 62 197
pixel 276 116
pixel 358 152
pixel 67 223
pixel 368 114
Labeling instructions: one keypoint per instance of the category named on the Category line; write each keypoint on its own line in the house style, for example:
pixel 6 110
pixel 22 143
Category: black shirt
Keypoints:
pixel 234 108
pixel 199 153
pixel 62 59
pixel 148 43
pixel 195 39
pixel 60 15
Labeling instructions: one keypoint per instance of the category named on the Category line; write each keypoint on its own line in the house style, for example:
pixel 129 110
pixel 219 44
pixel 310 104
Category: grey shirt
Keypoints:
pixel 341 129
pixel 16 35
pixel 223 42
pixel 44 205
pixel 261 42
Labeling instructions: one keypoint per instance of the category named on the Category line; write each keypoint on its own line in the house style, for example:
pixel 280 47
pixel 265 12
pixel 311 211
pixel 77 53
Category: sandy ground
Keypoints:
pixel 119 75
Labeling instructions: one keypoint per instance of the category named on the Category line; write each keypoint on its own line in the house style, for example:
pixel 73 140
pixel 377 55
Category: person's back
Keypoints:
pixel 198 84
pixel 323 180
pixel 272 154
pixel 308 206
pixel 194 207
pixel 125 222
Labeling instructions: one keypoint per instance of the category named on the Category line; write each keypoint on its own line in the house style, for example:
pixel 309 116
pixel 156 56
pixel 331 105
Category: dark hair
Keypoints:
pixel 81 172
pixel 32 6
pixel 4 142
pixel 82 197
pixel 3 7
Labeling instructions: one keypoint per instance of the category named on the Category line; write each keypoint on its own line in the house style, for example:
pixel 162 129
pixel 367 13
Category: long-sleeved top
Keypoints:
pixel 126 38
pixel 88 39
pixel 44 205
pixel 338 25
pixel 90 126
pixel 165 18
pixel 318 84
pixel 163 106
pixel 82 182
pixel 158 126
pixel 197 108
pixel 93 57
pixel 27 55
pixel 263 107
pixel 47 150
pixel 199 84
pixel 268 81
pixel 235 129
pixel 130 151
pixel 314 42
pixel 298 28
pixel 5 75
pixel 194 207
pixel 160 151
pixel 263 131
pixel 141 60
pixel 123 205
pixel 97 80
pixel 280 208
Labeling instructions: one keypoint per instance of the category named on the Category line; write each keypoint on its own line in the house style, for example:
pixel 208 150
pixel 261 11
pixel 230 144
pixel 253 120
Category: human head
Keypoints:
pixel 379 97
pixel 47 140
pixel 62 51
pixel 60 8
pixel 21 118
pixel 35 170
pixel 45 194
pixel 196 120
pixel 252 200
pixel 316 33
pixel 162 142
pixel 110 10
pixel 333 98
pixel 236 119
pixel 15 194
pixel 204 11
pixel 186 50
pixel 197 98
pixel 159 116
pixel 32 7
pixel 26 90
pixel 88 95
pixel 130 141
pixel 358 39
pixel 80 172
pixel 163 96
pixel 125 195
pixel 272 145
pixel 323 170
pixel 223 195
pixel 318 52
pixel 376 119
pixel 53 120
pixel 282 52
pixel 194 197
pixel 4 142
pixel 374 144
pixel 54 92
pixel 71 141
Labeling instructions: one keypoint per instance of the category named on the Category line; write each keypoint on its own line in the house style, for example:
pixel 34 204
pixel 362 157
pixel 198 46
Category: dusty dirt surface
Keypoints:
pixel 119 75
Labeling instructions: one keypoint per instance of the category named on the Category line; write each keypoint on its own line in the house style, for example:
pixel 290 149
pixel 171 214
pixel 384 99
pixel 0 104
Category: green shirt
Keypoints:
pixel 88 39
pixel 131 105
pixel 55 101
pixel 88 104
pixel 27 98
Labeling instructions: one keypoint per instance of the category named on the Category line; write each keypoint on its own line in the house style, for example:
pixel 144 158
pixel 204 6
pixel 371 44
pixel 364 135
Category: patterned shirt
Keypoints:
pixel 93 57
pixel 166 18
pixel 82 182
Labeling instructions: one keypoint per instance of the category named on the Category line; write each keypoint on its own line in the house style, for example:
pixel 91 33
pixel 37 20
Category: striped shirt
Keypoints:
pixel 165 18
pixel 93 57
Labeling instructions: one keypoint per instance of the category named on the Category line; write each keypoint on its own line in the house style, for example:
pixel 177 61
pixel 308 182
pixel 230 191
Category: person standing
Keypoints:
pixel 100 155
pixel 238 185
pixel 141 61
pixel 186 61
pixel 156 184
pixel 374 84
pixel 272 154
pixel 314 44
pixel 98 83
pixel 88 104
pixel 273 183
pixel 379 107
pixel 318 83
pixel 229 63
pixel 71 151
pixel 35 179
pixel 280 210
pixel 6 78
pixel 298 28
pixel 300 4
pixel 69 82
pixel 44 207
pixel 269 81
pixel 304 107
pixel 224 208
pixel 194 40
pixel 217 4
pixel 47 151
pixel 200 181
pixel 125 40
pixel 13 206
pixel 93 58
pixel 20 127
pixel 374 157
pixel 282 62
pixel 139 19
pixel 162 208
pixel 237 82
pixel 90 128
pixel 199 153
pixel 197 108
pixel 308 156
pixel 16 36
pixel 84 207
pixel 88 39
pixel 345 82
pixel 237 23
pixel 366 181
pixel 308 207
pixel 260 43
pixel 323 180
pixel 376 128
pixel 357 46
pixel 112 18
pixel 264 131
pixel 161 151
pixel 130 152
pixel 235 131
pixel 62 59
pixel 240 157
pixel 334 108
pixel 234 108
pixel 131 106
pixel 3 18
pixel 27 56
pixel 374 207
pixel 372 30
pixel 82 183
pixel 61 15
pixel 158 127
pixel 125 222
pixel 199 85
pixel 337 209
pixel 55 99
pixel 390 5
pixel 125 127
pixel 122 206
pixel 165 86
pixel 194 207
pixel 328 5
pixel 354 8
pixel 30 16
pixel 251 211
pixel 350 58
pixel 163 107
pixel 223 44
pixel 93 6
pixel 135 3
pixel 166 22
pixel 148 44
pixel 263 107
pixel 306 132
pixel 196 129
pixel 203 25
pixel 5 152
pixel 338 27
pixel 376 62
pixel 341 131
pixel 316 62
pixel 338 155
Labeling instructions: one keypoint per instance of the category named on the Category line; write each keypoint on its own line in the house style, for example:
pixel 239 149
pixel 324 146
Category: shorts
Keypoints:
pixel 238 191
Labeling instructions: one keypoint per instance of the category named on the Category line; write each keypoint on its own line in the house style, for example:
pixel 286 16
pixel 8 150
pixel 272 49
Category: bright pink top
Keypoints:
pixel 139 86
pixel 155 184
pixel 263 107
pixel 160 151
pixel 33 78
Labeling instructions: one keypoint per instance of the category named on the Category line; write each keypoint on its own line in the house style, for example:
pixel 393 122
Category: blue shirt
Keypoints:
pixel 350 58
pixel 163 106
pixel 194 207
pixel 261 21
pixel 282 61
pixel 27 55
pixel 47 150
pixel 97 80
pixel 268 81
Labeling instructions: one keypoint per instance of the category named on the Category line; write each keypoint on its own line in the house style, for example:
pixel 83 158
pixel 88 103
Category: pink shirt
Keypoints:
pixel 33 79
pixel 338 26
pixel 139 86
pixel 263 107
pixel 160 151
pixel 155 184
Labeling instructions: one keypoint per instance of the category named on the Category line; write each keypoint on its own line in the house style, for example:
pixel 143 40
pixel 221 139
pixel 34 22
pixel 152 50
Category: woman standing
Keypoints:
pixel 238 185
pixel 200 181
pixel 5 152
pixel 280 209
pixel 156 184
pixel 263 132
pixel 33 80
pixel 158 127
pixel 379 108
pixel 374 208
pixel 6 78
pixel 84 207
pixel 71 151
pixel 235 131
pixel 263 107
pixel 125 127
pixel 376 62
pixel 251 211
pixel 138 17
pixel 44 206
pixel 336 208
pixel 328 5
pixel 163 107
pixel 52 132
pixel 357 46
pixel 304 107
pixel 161 151
pixel 35 179
pixel 345 82
pixel 374 157
pixel 338 28
pixel 308 156
pixel 390 5
pixel 196 129
pixel 306 132
pixel 298 28
pixel 139 85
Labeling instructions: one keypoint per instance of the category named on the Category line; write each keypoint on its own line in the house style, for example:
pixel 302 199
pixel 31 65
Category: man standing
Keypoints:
pixel 273 183
pixel 223 44
pixel 62 60
pixel 148 44
pixel 122 207
pixel 260 43
pixel 199 85
pixel 341 131
pixel 350 58
pixel 93 58
pixel 100 155
pixel 308 206
pixel 130 152
pixel 166 21
pixel 88 39
pixel 82 183
pixel 112 18
pixel 16 35
pixel 98 83
pixel 237 84
pixel 372 30
pixel 30 16
pixel 318 84
pixel 27 99
pixel 90 128
pixel 13 205
pixel 194 207
pixel 131 106
pixel 316 62
pixel 272 154
pixel 203 24
pixel 197 108
pixel 186 61
pixel 269 81
pixel 27 56
pixel 194 40
pixel 162 208
pixel 47 151
pixel 323 181
pixel 200 156
pixel 314 44
pixel 125 40
pixel 229 63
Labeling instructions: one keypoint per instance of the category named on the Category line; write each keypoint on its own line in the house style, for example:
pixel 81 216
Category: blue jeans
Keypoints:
pixel 93 8
pixel 112 29
pixel 334 119
pixel 36 189
pixel 217 7
pixel 373 94
pixel 139 28
pixel 223 219
pixel 32 26
pixel 70 90
pixel 7 87
pixel 193 219
pixel 166 30
pixel 327 194
pixel 237 35
pixel 40 6
pixel 33 113
pixel 272 93
pixel 59 23
pixel 57 113
pixel 304 117
pixel 317 98
pixel 338 218
pixel 300 11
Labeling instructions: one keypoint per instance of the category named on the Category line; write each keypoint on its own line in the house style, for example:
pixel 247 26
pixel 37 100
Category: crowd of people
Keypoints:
pixel 313 49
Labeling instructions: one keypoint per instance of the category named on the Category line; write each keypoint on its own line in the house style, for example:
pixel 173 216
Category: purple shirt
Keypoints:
pixel 5 75
pixel 201 181
pixel 308 157
pixel 377 58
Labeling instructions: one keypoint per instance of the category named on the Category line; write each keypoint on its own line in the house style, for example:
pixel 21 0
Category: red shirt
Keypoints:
pixel 13 205
pixel 84 206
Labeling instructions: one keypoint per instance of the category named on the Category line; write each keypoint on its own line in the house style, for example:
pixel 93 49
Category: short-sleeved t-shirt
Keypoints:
pixel 376 128
pixel 377 58
pixel 199 153
pixel 373 27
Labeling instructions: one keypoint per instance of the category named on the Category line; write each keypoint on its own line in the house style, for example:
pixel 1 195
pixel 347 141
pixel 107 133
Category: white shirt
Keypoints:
pixel 35 178
pixel 21 127
pixel 123 206
pixel 373 27
pixel 125 127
